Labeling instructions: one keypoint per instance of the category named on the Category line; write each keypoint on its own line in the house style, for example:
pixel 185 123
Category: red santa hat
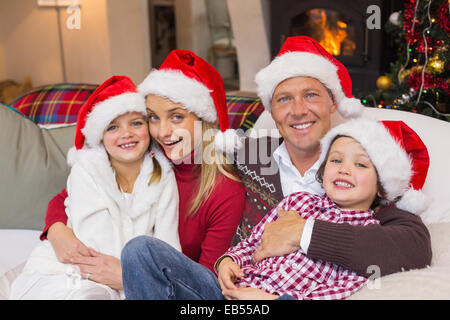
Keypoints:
pixel 398 154
pixel 304 56
pixel 188 79
pixel 116 96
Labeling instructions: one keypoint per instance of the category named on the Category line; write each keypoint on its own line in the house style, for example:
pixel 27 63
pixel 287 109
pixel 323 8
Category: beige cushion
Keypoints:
pixel 32 169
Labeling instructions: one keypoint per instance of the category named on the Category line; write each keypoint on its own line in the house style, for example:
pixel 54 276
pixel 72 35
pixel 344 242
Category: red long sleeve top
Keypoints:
pixel 205 236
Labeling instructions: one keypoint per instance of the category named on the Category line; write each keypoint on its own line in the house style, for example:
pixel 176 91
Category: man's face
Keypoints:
pixel 301 108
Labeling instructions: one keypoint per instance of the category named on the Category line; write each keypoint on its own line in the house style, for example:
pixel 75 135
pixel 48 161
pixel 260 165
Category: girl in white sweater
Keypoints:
pixel 117 190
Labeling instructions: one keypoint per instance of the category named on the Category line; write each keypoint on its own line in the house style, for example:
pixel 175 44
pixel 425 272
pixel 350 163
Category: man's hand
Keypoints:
pixel 281 236
pixel 101 268
pixel 246 293
pixel 65 244
pixel 228 272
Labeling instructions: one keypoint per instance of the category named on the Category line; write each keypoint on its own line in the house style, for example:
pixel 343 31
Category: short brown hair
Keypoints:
pixel 381 193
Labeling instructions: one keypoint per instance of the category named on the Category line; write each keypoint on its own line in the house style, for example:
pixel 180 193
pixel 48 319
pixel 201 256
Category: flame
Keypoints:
pixel 332 33
pixel 333 37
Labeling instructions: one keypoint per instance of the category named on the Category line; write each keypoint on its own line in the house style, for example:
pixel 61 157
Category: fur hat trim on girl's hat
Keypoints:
pixel 398 154
pixel 114 97
pixel 188 79
pixel 305 57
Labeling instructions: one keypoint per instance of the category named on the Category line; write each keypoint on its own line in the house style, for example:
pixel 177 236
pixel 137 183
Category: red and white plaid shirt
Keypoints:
pixel 296 274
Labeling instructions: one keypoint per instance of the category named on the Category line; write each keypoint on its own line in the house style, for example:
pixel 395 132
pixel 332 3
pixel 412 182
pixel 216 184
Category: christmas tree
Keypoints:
pixel 419 79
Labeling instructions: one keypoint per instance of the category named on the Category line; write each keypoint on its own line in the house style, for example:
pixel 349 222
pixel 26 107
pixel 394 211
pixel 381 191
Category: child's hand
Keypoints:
pixel 228 272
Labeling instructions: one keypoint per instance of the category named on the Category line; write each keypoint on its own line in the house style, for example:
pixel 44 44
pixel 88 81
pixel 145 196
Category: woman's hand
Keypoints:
pixel 228 272
pixel 247 293
pixel 65 244
pixel 101 268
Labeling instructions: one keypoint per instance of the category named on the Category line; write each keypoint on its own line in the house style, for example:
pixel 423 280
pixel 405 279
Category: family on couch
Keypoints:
pixel 301 87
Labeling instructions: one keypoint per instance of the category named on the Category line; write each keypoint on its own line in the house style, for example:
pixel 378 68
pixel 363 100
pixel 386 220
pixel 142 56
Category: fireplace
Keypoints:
pixel 340 27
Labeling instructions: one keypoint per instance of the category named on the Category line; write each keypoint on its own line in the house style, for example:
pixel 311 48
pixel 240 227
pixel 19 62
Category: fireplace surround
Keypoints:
pixel 340 26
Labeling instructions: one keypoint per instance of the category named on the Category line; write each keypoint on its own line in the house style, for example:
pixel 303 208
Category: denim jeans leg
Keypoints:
pixel 152 269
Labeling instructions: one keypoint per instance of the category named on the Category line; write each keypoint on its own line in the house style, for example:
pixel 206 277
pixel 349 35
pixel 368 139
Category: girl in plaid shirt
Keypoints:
pixel 362 165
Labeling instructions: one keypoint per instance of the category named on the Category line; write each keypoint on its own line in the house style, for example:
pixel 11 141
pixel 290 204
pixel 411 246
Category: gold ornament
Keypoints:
pixel 384 83
pixel 435 65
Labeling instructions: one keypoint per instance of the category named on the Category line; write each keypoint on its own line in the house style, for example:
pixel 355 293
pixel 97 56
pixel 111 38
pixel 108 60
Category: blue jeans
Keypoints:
pixel 154 270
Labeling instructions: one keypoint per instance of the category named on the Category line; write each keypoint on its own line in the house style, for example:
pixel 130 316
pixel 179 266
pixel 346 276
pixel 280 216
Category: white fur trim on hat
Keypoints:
pixel 387 155
pixel 305 64
pixel 106 111
pixel 179 88
pixel 228 141
pixel 414 201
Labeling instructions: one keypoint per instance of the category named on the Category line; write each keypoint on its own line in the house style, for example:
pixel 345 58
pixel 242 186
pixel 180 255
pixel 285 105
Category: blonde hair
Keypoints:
pixel 209 172
pixel 157 170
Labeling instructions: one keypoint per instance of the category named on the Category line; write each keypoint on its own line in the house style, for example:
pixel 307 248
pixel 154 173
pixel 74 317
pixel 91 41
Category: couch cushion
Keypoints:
pixel 33 169
pixel 243 112
pixel 58 103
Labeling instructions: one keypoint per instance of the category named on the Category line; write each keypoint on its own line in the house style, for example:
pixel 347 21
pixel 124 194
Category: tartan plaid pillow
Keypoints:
pixel 60 103
pixel 50 104
pixel 243 111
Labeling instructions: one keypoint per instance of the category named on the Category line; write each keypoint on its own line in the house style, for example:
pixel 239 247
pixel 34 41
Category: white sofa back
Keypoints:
pixel 433 132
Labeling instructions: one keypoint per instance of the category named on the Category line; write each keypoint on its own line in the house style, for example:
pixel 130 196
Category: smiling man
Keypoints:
pixel 301 88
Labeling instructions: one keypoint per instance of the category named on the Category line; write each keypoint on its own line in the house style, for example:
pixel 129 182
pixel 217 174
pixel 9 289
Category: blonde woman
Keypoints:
pixel 185 98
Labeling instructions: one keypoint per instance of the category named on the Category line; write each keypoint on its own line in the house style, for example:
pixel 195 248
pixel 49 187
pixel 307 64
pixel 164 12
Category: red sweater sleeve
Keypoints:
pixel 56 212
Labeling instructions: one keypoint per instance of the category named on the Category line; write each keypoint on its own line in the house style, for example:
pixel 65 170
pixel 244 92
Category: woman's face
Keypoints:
pixel 350 178
pixel 177 130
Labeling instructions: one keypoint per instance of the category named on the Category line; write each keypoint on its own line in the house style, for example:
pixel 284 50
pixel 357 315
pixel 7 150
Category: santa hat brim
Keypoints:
pixel 179 88
pixel 393 165
pixel 106 111
pixel 305 64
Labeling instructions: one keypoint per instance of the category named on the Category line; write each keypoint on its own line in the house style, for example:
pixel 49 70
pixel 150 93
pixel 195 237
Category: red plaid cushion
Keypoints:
pixel 60 104
pixel 243 111
pixel 54 103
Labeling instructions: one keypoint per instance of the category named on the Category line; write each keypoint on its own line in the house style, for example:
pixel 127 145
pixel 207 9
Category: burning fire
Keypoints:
pixel 331 32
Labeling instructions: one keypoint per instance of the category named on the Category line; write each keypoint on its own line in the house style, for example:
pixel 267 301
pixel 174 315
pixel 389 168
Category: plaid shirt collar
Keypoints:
pixel 326 203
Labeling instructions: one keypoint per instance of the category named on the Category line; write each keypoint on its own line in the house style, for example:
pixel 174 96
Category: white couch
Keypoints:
pixel 430 283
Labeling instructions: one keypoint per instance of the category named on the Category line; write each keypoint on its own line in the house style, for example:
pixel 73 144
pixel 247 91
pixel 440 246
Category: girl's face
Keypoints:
pixel 177 130
pixel 126 139
pixel 349 177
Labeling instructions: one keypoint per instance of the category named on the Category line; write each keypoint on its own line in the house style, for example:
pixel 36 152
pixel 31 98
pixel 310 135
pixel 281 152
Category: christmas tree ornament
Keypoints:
pixel 384 83
pixel 394 18
pixel 435 65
